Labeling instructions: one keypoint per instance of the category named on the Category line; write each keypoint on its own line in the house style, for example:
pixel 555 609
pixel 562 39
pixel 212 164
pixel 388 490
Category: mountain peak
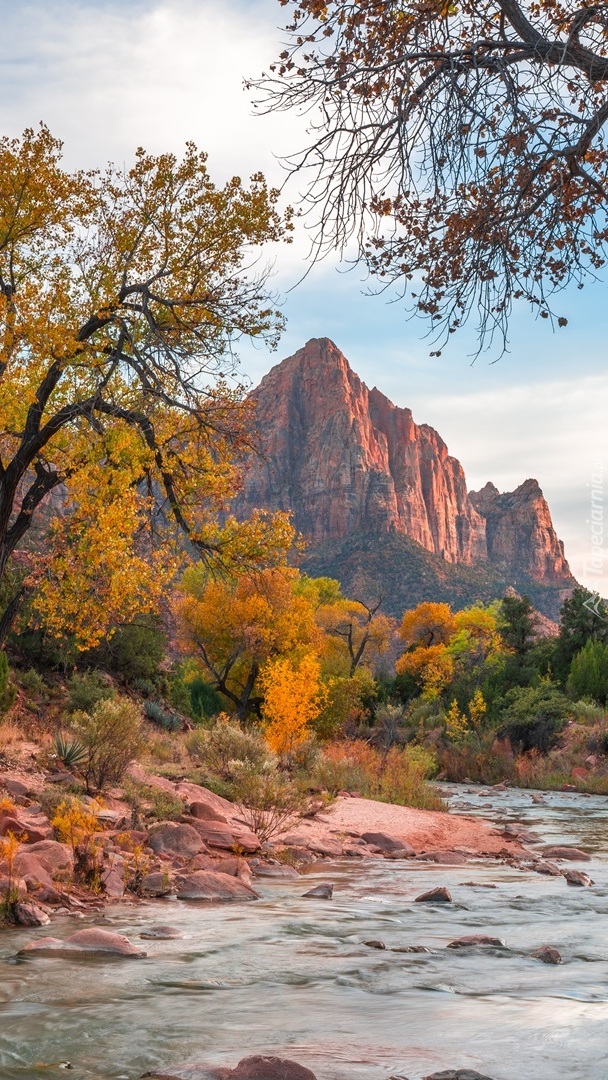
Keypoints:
pixel 344 459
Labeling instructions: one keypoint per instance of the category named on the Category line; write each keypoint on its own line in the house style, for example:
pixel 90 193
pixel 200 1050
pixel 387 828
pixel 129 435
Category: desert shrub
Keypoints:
pixel 85 691
pixel 226 746
pixel 165 806
pixel 533 717
pixel 31 682
pixel 393 775
pixel 135 651
pixel 76 823
pixel 113 735
pixel 10 734
pixel 8 692
pixel 144 686
pixel 163 719
pixel 588 712
pixel 490 763
pixel 268 800
pixel 9 849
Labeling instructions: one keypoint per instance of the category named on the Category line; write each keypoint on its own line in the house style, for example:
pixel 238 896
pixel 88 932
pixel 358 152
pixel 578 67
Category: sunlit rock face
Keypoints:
pixel 343 459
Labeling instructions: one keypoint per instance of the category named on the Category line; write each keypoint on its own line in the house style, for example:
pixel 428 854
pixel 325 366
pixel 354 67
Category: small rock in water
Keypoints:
pixel 440 895
pixel 411 949
pixel 479 884
pixel 259 1067
pixel 443 858
pixel 320 892
pixel 548 868
pixel 577 877
pixel 547 954
pixel 458 1074
pixel 161 933
pixel 373 944
pixel 387 844
pixel 476 939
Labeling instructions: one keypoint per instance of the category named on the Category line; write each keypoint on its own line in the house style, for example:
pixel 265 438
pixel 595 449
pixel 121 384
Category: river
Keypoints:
pixel 291 976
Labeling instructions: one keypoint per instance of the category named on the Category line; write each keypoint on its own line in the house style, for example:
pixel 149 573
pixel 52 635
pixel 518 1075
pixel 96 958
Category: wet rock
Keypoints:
pixel 270 1068
pixel 207 885
pixel 161 933
pixel 156 884
pixel 169 838
pixel 55 857
pixel 567 854
pixel 479 884
pixel 401 853
pixel 387 843
pixel 411 949
pixel 538 800
pixel 443 858
pixel 577 877
pixel 320 892
pixel 259 1067
pixel 204 812
pixel 30 915
pixel 374 944
pixel 476 939
pixel 518 832
pixel 274 870
pixel 84 943
pixel 547 954
pixel 440 895
pixel 547 868
pixel 458 1074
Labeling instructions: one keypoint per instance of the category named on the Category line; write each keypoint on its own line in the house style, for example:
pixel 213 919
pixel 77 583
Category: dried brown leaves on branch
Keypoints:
pixel 461 144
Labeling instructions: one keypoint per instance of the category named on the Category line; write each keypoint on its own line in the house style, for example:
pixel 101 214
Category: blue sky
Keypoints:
pixel 107 77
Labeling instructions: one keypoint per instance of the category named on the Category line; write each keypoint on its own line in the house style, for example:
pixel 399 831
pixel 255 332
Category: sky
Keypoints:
pixel 107 77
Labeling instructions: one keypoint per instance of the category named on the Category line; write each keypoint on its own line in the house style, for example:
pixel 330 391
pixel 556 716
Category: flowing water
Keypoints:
pixel 292 976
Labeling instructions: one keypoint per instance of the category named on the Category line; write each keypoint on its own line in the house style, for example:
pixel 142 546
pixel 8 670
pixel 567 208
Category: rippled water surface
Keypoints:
pixel 292 976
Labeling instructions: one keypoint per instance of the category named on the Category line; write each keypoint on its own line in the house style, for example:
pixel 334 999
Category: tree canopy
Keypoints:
pixel 461 144
pixel 122 293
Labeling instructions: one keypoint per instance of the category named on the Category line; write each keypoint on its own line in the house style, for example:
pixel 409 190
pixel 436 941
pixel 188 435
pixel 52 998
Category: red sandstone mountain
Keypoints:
pixel 346 461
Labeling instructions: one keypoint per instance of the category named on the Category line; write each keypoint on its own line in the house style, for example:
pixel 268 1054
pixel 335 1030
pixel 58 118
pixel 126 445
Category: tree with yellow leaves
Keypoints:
pixel 293 699
pixel 121 295
pixel 235 626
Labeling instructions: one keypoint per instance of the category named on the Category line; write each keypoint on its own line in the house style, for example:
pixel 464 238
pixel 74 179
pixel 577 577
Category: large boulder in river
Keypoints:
pixel 169 838
pixel 386 843
pixel 569 854
pixel 440 895
pixel 258 1067
pixel 91 942
pixel 207 885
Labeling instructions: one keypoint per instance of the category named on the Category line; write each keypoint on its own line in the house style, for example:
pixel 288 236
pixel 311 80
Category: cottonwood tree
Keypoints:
pixel 237 626
pixel 460 142
pixel 121 295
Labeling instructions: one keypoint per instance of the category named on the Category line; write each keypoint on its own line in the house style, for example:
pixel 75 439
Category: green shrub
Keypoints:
pixel 32 682
pixel 204 701
pixel 589 672
pixel 533 717
pixel 8 692
pixel 85 691
pixel 135 651
pixel 113 735
pixel 227 746
pixel 165 720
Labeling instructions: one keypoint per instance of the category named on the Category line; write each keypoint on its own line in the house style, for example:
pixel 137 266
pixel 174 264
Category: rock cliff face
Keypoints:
pixel 343 459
